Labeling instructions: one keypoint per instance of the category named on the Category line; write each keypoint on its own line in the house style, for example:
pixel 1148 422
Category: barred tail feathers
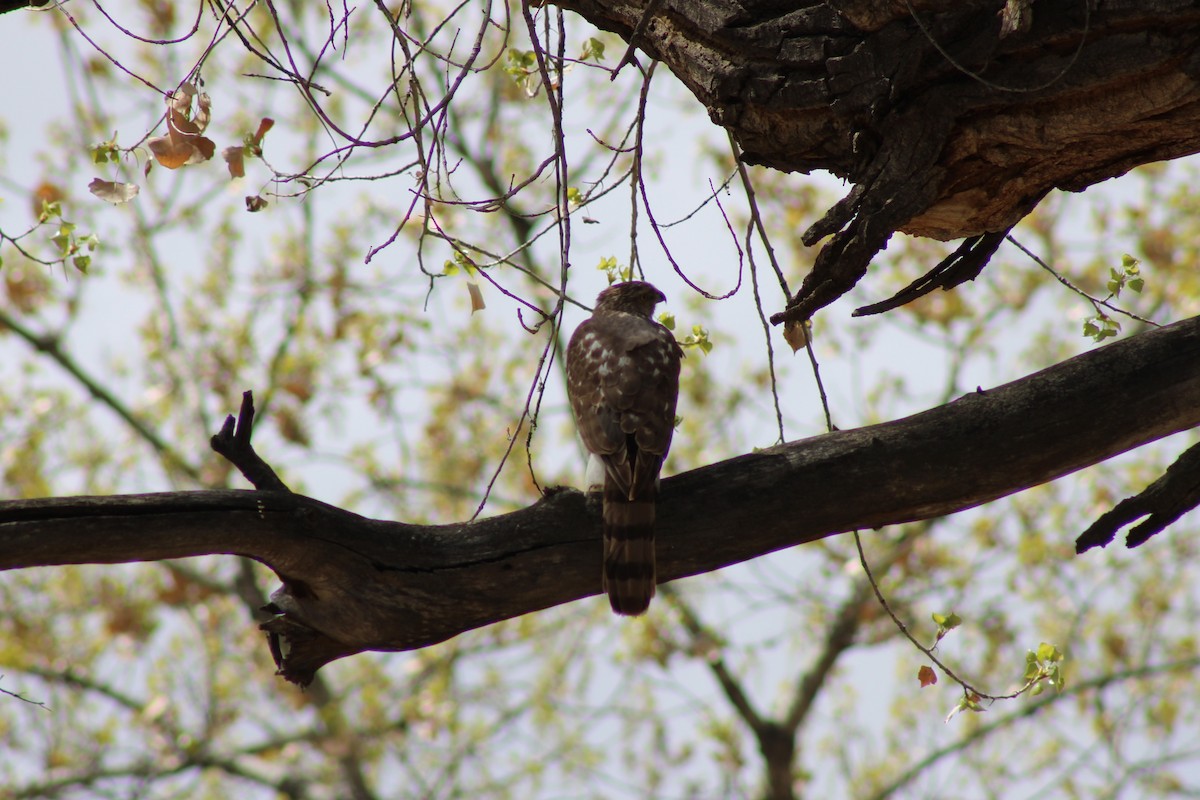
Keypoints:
pixel 628 575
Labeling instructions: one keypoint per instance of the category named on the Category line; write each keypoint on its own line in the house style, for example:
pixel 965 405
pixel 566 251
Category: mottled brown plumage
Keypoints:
pixel 623 382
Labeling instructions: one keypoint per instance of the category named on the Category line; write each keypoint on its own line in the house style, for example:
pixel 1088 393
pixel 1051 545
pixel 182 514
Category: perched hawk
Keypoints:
pixel 623 381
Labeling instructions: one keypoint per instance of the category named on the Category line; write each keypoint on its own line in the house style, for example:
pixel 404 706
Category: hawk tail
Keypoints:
pixel 628 575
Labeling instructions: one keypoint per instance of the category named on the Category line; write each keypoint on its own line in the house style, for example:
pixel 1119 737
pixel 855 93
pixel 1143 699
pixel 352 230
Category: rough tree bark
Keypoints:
pixel 352 584
pixel 952 118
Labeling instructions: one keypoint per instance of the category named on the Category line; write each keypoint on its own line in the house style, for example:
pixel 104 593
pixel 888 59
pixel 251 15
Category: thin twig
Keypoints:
pixel 1096 302
pixel 22 698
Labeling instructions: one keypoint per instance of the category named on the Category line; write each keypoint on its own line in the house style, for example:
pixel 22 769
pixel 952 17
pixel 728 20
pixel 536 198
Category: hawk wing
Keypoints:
pixel 623 382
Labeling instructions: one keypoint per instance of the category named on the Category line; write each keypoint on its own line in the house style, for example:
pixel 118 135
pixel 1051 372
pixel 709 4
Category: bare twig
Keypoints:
pixel 233 442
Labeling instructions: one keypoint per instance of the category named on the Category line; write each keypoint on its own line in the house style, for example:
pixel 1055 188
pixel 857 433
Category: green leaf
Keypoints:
pixel 105 152
pixel 947 621
pixel 608 265
pixel 62 239
pixel 667 319
pixel 460 262
pixel 592 49
pixel 81 263
pixel 50 209
pixel 1100 327
pixel 1048 652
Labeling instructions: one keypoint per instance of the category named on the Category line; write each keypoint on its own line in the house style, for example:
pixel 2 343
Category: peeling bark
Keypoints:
pixel 953 118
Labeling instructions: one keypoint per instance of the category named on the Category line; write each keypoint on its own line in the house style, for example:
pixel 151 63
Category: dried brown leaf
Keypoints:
pixel 926 676
pixel 477 303
pixel 180 127
pixel 263 126
pixel 203 111
pixel 235 159
pixel 796 334
pixel 168 152
pixel 203 149
pixel 113 192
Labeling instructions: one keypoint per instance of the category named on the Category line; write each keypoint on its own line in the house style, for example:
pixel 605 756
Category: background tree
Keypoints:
pixel 411 170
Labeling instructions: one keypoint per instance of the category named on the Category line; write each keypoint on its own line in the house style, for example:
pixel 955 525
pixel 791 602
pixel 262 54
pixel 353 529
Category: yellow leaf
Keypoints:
pixel 796 334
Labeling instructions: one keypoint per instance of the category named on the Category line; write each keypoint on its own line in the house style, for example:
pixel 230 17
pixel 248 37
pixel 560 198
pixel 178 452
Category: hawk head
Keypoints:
pixel 630 297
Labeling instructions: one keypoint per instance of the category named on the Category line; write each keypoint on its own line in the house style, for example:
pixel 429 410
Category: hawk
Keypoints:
pixel 623 383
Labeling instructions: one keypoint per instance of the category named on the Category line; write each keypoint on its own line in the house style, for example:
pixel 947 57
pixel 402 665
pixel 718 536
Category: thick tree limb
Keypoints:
pixel 352 584
pixel 16 5
pixel 953 118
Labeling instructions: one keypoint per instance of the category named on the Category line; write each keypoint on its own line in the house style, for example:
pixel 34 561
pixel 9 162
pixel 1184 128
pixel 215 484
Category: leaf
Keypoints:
pixel 926 676
pixel 969 702
pixel 62 239
pixel 255 203
pixel 105 152
pixel 47 200
pixel 203 149
pixel 183 143
pixel 477 303
pixel 264 125
pixel 169 153
pixel 1048 652
pixel 113 192
pixel 947 621
pixel 593 49
pixel 796 333
pixel 235 159
pixel 180 150
pixel 203 111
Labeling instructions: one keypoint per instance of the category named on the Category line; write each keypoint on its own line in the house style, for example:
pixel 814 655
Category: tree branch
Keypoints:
pixel 16 5
pixel 951 118
pixel 1162 502
pixel 352 584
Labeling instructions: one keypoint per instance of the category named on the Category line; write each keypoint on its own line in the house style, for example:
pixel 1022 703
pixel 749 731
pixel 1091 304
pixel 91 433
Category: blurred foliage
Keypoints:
pixel 345 303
